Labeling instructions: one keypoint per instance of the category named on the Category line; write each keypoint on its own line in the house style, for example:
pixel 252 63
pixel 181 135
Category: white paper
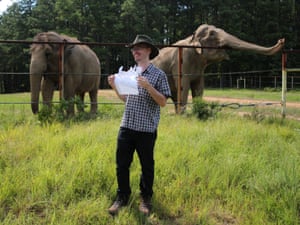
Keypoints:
pixel 126 82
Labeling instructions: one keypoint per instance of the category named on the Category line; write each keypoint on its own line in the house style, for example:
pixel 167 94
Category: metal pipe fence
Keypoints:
pixel 239 79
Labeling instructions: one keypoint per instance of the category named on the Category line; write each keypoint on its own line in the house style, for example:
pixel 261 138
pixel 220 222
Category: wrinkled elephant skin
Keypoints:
pixel 195 60
pixel 81 71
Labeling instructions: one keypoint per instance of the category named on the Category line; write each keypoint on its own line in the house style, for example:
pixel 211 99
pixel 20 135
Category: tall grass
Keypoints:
pixel 226 170
pixel 231 169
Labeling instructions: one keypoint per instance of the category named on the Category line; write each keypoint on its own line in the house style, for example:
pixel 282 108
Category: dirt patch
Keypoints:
pixel 262 103
pixel 249 101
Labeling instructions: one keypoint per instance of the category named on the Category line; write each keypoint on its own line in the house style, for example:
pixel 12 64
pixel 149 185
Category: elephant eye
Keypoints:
pixel 47 54
pixel 212 33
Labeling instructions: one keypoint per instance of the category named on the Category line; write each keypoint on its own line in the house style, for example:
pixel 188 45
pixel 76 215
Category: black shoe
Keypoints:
pixel 118 203
pixel 145 206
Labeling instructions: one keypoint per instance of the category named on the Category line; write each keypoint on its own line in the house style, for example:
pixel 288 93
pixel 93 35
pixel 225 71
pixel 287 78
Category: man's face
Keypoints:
pixel 141 52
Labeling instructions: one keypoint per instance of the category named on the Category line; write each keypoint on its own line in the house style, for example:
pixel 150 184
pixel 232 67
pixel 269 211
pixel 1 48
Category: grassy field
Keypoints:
pixel 272 95
pixel 229 169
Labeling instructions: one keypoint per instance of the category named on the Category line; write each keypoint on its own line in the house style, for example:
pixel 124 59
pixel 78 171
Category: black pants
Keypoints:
pixel 143 143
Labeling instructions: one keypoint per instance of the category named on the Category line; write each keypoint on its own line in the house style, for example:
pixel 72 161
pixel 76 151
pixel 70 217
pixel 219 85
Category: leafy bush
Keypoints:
pixel 204 110
pixel 48 115
pixel 45 115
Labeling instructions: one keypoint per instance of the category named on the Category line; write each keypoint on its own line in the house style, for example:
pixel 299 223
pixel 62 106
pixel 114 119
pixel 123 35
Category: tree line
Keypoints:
pixel 166 21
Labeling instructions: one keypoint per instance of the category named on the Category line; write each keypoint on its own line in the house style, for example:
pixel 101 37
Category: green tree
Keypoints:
pixel 14 26
pixel 43 17
pixel 166 21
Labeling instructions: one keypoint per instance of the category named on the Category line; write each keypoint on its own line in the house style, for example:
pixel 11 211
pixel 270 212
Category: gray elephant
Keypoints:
pixel 81 71
pixel 195 60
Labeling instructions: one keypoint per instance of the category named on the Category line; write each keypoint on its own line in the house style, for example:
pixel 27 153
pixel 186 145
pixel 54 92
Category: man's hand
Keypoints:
pixel 143 82
pixel 111 81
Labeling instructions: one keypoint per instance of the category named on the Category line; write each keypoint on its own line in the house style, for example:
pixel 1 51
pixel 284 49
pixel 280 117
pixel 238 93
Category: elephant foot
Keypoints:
pixel 181 109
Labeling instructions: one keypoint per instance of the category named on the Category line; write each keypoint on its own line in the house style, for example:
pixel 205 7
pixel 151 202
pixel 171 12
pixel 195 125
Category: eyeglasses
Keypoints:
pixel 139 47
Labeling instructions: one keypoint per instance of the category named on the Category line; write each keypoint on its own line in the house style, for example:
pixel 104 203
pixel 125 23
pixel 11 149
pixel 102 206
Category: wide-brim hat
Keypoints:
pixel 144 39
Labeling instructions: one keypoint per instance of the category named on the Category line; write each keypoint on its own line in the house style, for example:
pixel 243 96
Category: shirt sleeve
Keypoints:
pixel 164 85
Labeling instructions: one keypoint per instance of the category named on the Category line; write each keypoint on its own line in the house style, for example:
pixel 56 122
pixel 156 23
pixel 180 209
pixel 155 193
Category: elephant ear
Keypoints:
pixel 69 47
pixel 196 43
pixel 55 37
pixel 51 48
pixel 68 50
pixel 41 37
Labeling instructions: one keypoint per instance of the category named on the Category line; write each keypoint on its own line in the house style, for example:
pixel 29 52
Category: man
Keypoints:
pixel 138 129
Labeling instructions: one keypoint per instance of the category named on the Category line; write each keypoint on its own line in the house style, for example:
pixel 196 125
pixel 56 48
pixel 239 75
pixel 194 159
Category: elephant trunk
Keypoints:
pixel 236 43
pixel 35 87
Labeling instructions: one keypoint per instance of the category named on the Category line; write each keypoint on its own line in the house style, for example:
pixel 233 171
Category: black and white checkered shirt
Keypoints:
pixel 142 113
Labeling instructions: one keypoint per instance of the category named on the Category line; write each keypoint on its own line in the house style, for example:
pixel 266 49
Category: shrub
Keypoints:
pixel 204 110
pixel 48 115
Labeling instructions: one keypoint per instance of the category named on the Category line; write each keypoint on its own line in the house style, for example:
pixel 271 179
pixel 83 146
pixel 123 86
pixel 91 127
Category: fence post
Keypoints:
pixel 284 86
pixel 179 80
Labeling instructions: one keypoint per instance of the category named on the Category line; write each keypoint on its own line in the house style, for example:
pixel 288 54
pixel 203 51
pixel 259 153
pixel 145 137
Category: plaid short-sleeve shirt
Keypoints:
pixel 142 113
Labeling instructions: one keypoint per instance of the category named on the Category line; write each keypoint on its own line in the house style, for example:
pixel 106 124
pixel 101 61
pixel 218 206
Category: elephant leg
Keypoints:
pixel 175 99
pixel 173 89
pixel 93 98
pixel 197 87
pixel 80 105
pixel 47 91
pixel 70 108
pixel 69 95
pixel 184 93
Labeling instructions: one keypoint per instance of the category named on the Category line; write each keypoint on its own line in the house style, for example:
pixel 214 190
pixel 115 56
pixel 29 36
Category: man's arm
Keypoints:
pixel 159 98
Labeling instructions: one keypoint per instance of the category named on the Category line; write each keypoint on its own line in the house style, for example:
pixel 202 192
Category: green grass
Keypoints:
pixel 226 170
pixel 268 94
